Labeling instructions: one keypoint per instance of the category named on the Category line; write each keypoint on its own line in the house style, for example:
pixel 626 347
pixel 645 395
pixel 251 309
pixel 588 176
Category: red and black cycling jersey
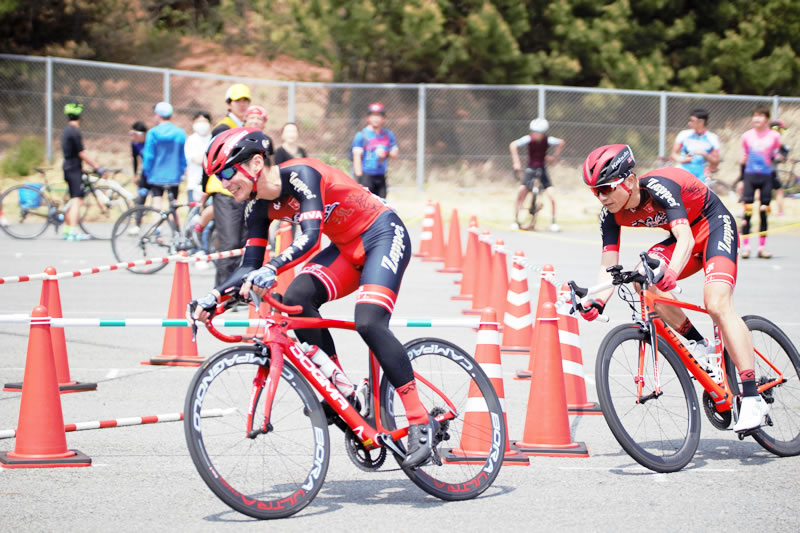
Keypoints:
pixel 670 196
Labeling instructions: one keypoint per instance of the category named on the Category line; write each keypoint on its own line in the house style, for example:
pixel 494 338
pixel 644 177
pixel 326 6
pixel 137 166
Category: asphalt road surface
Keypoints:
pixel 142 477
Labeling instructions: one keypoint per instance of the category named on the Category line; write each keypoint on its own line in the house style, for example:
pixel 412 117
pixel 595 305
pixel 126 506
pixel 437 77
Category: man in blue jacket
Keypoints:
pixel 372 148
pixel 163 157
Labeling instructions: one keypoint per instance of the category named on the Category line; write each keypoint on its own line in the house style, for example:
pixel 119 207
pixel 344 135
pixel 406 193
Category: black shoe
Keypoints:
pixel 420 443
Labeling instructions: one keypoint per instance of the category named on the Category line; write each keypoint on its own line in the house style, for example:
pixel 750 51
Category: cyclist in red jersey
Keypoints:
pixel 369 251
pixel 702 236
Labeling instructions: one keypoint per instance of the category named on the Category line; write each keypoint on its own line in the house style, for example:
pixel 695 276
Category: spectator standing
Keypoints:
pixel 372 147
pixel 256 117
pixel 74 155
pixel 289 149
pixel 195 150
pixel 138 133
pixel 163 157
pixel 783 153
pixel 697 149
pixel 759 146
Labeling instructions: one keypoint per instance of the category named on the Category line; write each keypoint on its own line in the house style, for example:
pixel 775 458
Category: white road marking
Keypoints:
pixel 112 373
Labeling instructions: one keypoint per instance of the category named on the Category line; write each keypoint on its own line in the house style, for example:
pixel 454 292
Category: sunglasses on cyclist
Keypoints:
pixel 608 188
pixel 228 173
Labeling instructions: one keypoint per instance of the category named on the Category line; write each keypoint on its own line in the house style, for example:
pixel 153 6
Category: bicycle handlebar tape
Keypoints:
pixel 178 348
pixel 474 447
pixel 547 293
pixel 41 441
pixel 517 319
pixel 437 252
pixel 426 233
pixel 483 276
pixel 51 299
pixel 453 257
pixel 572 358
pixel 546 421
pixel 498 290
pixel 470 263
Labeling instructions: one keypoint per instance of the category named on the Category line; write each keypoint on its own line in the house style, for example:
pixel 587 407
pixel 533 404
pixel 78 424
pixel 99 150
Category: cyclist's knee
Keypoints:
pixel 306 291
pixel 370 318
pixel 717 299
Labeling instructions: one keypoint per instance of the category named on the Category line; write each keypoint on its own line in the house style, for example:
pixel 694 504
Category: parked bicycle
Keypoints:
pixel 788 176
pixel 648 398
pixel 268 457
pixel 143 232
pixel 525 217
pixel 29 208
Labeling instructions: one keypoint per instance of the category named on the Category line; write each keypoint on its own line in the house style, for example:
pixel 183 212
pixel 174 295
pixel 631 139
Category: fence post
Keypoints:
pixel 166 85
pixel 421 137
pixel 542 101
pixel 662 125
pixel 292 98
pixel 776 106
pixel 49 108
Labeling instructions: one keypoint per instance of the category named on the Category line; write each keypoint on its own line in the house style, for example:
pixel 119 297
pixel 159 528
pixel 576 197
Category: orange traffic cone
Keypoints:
pixel 470 263
pixel 546 421
pixel 41 441
pixel 178 348
pixel 282 241
pixel 472 450
pixel 452 263
pixel 499 286
pixel 437 236
pixel 517 320
pixel 547 293
pixel 51 299
pixel 427 228
pixel 572 359
pixel 480 295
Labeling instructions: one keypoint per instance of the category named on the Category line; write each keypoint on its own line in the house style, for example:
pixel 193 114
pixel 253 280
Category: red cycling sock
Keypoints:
pixel 415 411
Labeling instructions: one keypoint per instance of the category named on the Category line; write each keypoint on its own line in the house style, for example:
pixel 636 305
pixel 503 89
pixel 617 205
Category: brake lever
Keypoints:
pixel 192 320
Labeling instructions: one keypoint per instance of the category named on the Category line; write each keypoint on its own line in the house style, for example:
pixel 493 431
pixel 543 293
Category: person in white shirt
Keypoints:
pixel 195 150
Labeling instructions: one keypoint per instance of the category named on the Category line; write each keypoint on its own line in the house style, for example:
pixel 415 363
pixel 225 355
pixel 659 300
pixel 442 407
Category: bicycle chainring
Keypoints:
pixel 364 459
pixel 717 419
pixel 769 394
pixel 442 434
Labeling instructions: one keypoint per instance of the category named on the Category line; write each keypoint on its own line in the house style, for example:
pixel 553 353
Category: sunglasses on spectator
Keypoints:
pixel 606 189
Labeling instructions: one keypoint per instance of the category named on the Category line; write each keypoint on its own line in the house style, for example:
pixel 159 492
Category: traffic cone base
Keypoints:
pixel 589 408
pixel 73 458
pixel 64 388
pixel 524 375
pixel 175 360
pixel 574 449
pixel 512 457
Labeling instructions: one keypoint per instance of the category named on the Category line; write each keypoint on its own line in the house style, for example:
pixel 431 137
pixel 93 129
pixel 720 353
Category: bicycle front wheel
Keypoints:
pixel 100 210
pixel 659 430
pixel 24 211
pixel 142 233
pixel 782 437
pixel 472 444
pixel 273 475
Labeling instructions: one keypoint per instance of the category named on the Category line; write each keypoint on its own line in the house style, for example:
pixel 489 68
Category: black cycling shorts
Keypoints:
pixel 761 182
pixel 158 190
pixel 531 174
pixel 74 178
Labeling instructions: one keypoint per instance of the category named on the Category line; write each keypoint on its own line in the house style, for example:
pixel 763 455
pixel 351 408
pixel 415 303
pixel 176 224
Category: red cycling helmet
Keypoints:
pixel 377 107
pixel 232 147
pixel 607 164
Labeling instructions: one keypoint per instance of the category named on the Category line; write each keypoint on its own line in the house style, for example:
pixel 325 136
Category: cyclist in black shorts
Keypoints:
pixel 74 155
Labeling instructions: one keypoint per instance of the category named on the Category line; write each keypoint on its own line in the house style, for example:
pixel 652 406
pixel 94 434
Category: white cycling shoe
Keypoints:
pixel 751 413
pixel 706 355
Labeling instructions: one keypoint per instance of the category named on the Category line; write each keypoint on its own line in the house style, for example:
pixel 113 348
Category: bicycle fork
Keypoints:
pixel 268 377
pixel 640 378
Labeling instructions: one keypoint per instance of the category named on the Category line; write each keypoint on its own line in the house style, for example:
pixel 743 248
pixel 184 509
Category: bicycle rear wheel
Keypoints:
pixel 663 432
pixel 461 380
pixel 782 437
pixel 273 475
pixel 100 210
pixel 24 211
pixel 140 233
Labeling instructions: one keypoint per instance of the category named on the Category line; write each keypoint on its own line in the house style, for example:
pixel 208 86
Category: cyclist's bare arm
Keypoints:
pixel 85 156
pixel 713 157
pixel 516 165
pixel 608 259
pixel 683 247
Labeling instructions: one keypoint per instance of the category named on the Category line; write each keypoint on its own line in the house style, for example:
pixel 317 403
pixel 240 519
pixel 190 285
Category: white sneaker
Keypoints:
pixel 751 413
pixel 133 231
pixel 706 355
pixel 554 228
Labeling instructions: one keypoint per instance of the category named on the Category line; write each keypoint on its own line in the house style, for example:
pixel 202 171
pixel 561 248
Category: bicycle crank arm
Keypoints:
pixel 386 440
pixel 652 396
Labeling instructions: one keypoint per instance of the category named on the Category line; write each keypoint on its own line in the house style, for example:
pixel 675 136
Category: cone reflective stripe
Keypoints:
pixel 283 240
pixel 453 259
pixel 546 423
pixel 517 319
pixel 470 263
pixel 51 299
pixel 41 441
pixel 437 251
pixel 427 231
pixel 473 447
pixel 572 359
pixel 480 296
pixel 547 293
pixel 498 291
pixel 178 348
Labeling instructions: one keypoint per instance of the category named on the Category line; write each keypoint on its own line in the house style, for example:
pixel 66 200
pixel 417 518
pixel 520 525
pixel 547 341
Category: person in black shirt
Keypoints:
pixel 289 148
pixel 138 133
pixel 74 155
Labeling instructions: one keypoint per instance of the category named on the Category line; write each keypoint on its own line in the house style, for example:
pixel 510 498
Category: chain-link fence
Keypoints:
pixel 454 133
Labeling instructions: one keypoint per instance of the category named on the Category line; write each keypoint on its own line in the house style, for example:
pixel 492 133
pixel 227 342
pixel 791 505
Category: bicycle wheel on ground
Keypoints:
pixel 100 210
pixel 662 431
pixel 444 369
pixel 140 233
pixel 526 216
pixel 783 436
pixel 273 475
pixel 24 211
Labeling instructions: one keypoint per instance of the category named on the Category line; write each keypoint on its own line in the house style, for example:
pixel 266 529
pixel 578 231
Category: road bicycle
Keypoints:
pixel 789 178
pixel 525 216
pixel 28 209
pixel 648 399
pixel 268 457
pixel 142 232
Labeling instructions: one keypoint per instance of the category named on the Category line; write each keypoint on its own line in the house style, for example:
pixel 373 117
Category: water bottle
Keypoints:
pixel 330 369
